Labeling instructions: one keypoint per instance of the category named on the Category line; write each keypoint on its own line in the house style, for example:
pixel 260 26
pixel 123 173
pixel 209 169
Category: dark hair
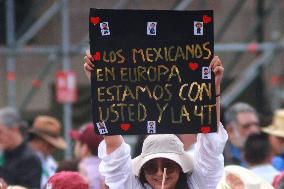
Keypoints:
pixel 257 149
pixel 68 165
pixel 181 183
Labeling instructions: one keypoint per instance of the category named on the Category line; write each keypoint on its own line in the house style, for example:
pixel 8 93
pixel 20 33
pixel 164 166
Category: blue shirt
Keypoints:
pixel 278 163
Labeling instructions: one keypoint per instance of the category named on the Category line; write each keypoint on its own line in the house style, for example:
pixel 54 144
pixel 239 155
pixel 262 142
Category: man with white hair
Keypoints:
pixel 241 121
pixel 21 166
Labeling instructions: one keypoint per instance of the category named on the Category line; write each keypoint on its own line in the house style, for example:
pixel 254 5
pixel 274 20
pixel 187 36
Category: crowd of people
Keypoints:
pixel 27 153
pixel 240 155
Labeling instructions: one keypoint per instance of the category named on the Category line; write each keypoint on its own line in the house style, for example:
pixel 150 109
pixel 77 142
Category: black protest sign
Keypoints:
pixel 151 71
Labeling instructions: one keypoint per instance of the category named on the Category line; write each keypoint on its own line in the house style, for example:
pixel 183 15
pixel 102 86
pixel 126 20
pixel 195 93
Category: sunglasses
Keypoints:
pixel 153 166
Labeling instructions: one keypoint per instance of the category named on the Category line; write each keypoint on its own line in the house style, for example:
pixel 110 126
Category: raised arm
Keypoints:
pixel 112 142
pixel 208 157
pixel 218 69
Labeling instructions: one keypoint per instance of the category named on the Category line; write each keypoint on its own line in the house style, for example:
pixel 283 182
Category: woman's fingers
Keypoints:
pixel 216 65
pixel 88 54
pixel 215 62
pixel 88 61
pixel 88 67
pixel 218 69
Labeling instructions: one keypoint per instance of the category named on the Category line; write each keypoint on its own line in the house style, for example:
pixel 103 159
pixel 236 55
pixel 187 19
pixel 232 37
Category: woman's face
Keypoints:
pixel 154 170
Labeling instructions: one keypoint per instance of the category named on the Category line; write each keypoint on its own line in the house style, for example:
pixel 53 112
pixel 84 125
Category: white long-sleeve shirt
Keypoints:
pixel 208 165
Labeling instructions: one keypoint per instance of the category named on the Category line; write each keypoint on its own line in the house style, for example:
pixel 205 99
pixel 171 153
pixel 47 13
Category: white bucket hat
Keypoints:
pixel 163 146
pixel 249 179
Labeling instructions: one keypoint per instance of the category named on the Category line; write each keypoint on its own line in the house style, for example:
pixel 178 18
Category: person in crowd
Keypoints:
pixel 258 155
pixel 280 184
pixel 86 150
pixel 276 138
pixel 241 121
pixel 163 161
pixel 237 177
pixel 21 165
pixel 67 180
pixel 278 181
pixel 45 138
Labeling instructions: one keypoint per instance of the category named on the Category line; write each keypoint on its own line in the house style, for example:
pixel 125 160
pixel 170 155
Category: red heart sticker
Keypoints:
pixel 94 20
pixel 205 129
pixel 125 126
pixel 193 65
pixel 97 56
pixel 206 19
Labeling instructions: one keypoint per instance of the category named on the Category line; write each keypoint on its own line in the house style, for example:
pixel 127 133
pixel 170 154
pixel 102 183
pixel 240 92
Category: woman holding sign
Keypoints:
pixel 163 163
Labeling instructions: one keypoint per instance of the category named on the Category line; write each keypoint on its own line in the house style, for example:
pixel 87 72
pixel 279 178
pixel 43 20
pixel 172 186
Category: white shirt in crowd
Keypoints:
pixel 89 169
pixel 49 166
pixel 265 171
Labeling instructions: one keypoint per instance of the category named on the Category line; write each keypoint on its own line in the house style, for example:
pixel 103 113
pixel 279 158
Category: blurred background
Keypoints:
pixel 43 42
